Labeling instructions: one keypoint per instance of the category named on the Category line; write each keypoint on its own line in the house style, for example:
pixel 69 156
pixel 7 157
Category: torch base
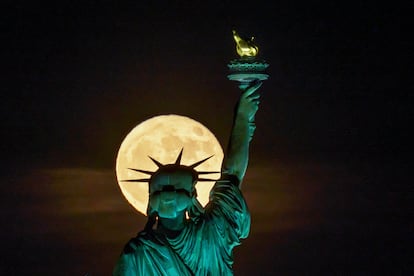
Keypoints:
pixel 247 70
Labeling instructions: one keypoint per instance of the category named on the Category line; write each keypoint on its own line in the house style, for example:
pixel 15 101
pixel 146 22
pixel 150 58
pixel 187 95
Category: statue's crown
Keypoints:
pixel 172 168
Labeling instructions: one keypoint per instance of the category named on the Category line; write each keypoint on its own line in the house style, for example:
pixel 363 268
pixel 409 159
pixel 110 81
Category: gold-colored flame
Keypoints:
pixel 245 47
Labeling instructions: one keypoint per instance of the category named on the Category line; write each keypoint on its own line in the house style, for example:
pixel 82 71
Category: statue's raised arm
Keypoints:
pixel 237 155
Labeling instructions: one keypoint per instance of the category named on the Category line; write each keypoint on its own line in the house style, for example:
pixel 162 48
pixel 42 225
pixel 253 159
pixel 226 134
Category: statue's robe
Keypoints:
pixel 204 247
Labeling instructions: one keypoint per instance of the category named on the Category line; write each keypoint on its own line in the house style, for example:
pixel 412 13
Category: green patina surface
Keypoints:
pixel 203 247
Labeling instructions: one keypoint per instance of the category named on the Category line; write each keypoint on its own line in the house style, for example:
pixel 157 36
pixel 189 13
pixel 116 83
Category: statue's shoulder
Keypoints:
pixel 142 240
pixel 136 243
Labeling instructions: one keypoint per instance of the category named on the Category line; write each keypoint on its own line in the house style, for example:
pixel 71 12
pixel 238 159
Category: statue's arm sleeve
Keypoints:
pixel 228 209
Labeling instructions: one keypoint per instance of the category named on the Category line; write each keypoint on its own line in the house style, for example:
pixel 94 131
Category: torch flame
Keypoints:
pixel 245 47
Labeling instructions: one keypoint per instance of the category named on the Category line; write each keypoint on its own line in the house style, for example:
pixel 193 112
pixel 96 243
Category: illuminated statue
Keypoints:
pixel 181 237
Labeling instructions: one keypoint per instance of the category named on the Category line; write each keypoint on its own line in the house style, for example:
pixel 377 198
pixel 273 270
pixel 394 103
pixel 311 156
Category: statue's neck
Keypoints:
pixel 171 227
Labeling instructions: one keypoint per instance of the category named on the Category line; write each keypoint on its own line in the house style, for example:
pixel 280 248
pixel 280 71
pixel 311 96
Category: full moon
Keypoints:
pixel 162 138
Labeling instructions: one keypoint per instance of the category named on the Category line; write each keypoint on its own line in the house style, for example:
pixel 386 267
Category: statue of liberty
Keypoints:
pixel 181 237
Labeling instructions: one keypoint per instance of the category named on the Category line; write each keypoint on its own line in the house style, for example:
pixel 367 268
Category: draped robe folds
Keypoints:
pixel 204 246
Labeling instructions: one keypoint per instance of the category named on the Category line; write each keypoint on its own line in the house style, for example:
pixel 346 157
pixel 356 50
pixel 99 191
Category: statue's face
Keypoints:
pixel 171 193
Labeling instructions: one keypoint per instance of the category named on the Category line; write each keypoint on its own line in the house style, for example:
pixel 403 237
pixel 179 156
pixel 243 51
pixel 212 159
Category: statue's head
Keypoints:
pixel 172 188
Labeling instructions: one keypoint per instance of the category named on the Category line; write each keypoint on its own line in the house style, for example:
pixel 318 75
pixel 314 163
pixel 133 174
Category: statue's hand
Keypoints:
pixel 249 102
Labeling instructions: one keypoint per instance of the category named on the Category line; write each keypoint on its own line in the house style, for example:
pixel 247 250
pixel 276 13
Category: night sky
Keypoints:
pixel 328 184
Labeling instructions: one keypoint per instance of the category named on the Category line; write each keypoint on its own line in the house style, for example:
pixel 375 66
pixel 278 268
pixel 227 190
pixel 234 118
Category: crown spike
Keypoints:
pixel 178 161
pixel 141 171
pixel 136 180
pixel 156 162
pixel 206 179
pixel 207 172
pixel 200 162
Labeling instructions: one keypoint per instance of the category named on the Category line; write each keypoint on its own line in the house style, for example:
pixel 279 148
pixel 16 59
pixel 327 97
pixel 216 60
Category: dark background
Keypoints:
pixel 329 184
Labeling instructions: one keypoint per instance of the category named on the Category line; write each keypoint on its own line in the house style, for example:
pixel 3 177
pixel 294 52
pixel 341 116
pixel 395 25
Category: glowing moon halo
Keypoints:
pixel 162 137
